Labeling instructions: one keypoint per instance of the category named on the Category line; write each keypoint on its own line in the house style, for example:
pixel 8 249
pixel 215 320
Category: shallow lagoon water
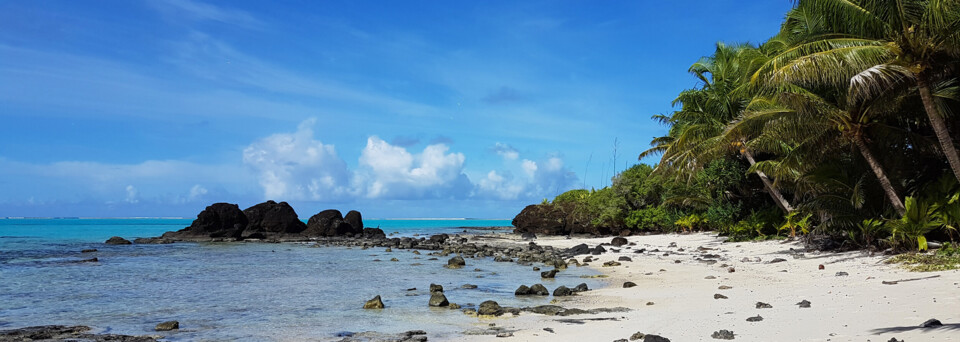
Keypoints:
pixel 246 291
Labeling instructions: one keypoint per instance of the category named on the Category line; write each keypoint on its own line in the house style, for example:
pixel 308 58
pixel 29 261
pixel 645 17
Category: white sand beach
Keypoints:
pixel 855 307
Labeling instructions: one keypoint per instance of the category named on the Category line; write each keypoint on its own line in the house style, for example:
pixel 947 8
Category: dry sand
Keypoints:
pixel 856 307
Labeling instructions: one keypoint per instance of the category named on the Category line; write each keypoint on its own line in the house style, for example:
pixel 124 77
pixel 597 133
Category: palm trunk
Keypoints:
pixel 939 126
pixel 881 176
pixel 777 196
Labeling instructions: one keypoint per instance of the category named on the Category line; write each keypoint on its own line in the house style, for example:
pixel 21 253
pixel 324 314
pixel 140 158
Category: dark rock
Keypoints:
pixel 152 241
pixel 598 250
pixel 655 338
pixel 374 303
pixel 629 284
pixel 272 218
pixel 523 290
pixel 91 250
pixel 556 219
pixel 777 260
pixel 65 333
pixel 894 339
pixel 539 290
pixel 756 318
pixel 355 220
pixel 562 291
pixel 581 288
pixel 762 305
pixel 528 236
pixel 468 286
pixel 549 274
pixel 438 299
pixel 434 288
pixel 90 260
pixel 722 335
pixel 804 303
pixel 116 240
pixel 842 274
pixel 579 250
pixel 489 308
pixel 456 262
pixel 611 264
pixel 624 258
pixel 637 336
pixel 374 233
pixel 439 238
pixel 931 323
pixel 619 241
pixel 218 220
pixel 329 223
pixel 167 326
pixel 719 296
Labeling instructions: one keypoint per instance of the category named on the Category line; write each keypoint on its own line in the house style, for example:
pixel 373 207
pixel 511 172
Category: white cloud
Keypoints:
pixel 196 192
pixel 132 195
pixel 530 167
pixel 294 166
pixel 506 151
pixel 388 171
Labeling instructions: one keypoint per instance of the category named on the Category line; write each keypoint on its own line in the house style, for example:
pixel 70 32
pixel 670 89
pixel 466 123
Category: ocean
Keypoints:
pixel 244 291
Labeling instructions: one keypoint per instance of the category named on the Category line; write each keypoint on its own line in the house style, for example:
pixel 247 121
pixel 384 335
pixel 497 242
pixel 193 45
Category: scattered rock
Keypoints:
pixel 629 284
pixel 804 303
pixel 523 290
pixel 637 336
pixel 456 262
pixel 619 241
pixel 725 287
pixel 539 290
pixel 650 303
pixel 611 264
pixel 65 333
pixel 549 274
pixel 710 277
pixel 777 260
pixel 437 299
pixel 756 318
pixel 374 303
pixel 931 323
pixel 842 274
pixel 722 335
pixel 91 250
pixel 490 308
pixel 562 291
pixel 468 286
pixel 116 240
pixel 582 287
pixel 762 305
pixel 167 326
pixel 549 330
pixel 624 258
pixel 731 270
pixel 719 296
pixel 820 267
pixel 894 339
pixel 434 288
pixel 654 338
pixel 505 334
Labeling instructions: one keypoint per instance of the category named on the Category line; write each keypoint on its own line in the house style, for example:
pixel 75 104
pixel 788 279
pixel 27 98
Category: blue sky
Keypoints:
pixel 394 108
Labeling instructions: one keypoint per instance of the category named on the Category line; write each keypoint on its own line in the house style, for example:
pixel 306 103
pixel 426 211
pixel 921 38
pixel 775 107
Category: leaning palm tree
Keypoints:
pixel 695 136
pixel 915 42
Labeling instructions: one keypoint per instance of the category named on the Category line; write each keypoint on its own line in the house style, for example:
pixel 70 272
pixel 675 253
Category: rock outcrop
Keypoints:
pixel 559 219
pixel 330 223
pixel 219 220
pixel 271 218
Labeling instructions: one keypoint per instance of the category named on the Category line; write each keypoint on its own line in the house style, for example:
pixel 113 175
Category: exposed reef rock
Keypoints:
pixel 559 219
pixel 270 218
pixel 269 221
pixel 219 220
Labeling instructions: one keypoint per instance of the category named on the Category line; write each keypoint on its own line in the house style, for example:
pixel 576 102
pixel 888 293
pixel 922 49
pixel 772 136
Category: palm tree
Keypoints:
pixel 902 42
pixel 696 133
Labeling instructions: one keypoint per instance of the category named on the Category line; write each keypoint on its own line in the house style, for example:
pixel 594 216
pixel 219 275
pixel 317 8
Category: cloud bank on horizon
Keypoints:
pixel 440 109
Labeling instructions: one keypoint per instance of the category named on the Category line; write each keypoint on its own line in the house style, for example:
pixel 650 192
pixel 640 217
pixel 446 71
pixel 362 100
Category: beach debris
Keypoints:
pixel 821 267
pixel 490 308
pixel 724 287
pixel 895 282
pixel 629 284
pixel 719 296
pixel 762 305
pixel 804 303
pixel 777 260
pixel 842 274
pixel 456 262
pixel 931 323
pixel 756 318
pixel 619 241
pixel 412 289
pixel 722 335
pixel 710 277
pixel 549 274
pixel 562 291
pixel 624 258
pixel 374 303
pixel 116 240
pixel 549 330
pixel 505 334
pixel 437 299
pixel 167 326
pixel 611 264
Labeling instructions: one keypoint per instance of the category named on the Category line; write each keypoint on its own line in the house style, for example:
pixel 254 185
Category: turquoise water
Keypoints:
pixel 241 291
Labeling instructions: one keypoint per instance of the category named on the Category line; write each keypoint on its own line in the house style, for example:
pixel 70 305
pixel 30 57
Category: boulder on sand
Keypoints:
pixel 490 308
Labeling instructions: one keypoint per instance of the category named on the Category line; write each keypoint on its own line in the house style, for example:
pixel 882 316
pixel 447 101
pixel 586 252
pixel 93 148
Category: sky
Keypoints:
pixel 120 108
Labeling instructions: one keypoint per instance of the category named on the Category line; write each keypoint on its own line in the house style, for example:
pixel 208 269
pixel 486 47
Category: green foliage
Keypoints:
pixel 910 231
pixel 649 219
pixel 946 258
pixel 692 222
pixel 572 196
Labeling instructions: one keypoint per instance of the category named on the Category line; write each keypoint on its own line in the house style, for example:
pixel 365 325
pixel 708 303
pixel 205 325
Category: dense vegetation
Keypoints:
pixel 842 125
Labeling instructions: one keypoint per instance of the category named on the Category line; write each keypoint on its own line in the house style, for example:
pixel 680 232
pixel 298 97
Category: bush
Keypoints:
pixel 653 219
